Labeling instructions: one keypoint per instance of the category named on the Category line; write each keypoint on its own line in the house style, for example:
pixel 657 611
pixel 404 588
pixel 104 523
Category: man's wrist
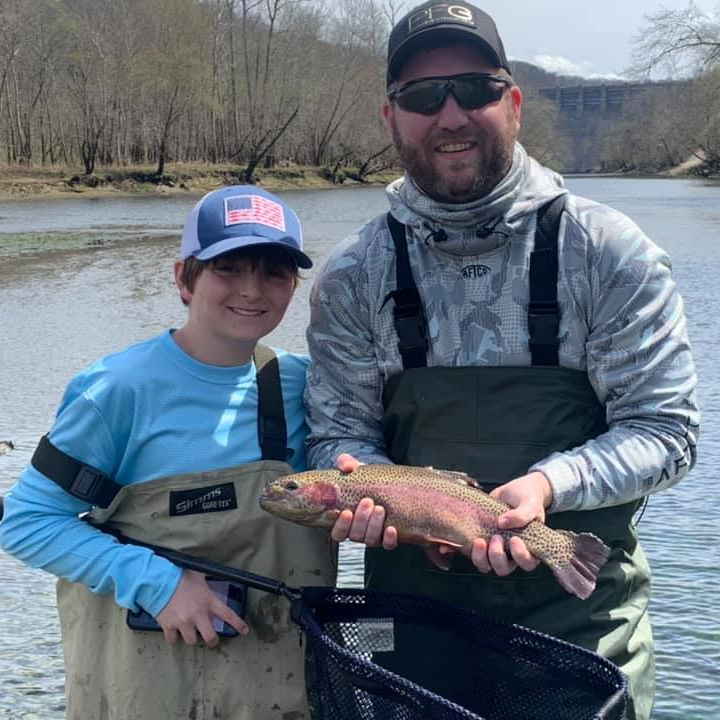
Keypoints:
pixel 545 486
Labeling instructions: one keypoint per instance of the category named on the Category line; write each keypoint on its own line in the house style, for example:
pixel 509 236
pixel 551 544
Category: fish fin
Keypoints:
pixel 579 575
pixel 443 562
pixel 456 476
pixel 426 540
pixel 331 516
pixel 432 540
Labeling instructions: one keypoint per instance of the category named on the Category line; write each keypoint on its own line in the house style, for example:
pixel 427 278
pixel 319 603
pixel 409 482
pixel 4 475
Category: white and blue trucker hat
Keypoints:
pixel 241 216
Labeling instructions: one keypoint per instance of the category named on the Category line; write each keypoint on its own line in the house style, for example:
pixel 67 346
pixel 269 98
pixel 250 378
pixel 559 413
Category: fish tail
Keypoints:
pixel 578 573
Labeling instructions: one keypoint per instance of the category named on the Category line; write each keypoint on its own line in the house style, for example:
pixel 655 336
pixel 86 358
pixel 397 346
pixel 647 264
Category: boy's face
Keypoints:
pixel 235 301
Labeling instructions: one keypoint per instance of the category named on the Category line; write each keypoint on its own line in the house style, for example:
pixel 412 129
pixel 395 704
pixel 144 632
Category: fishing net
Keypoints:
pixel 370 655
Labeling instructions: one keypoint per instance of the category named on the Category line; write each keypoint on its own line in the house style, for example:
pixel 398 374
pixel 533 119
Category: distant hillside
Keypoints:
pixel 532 76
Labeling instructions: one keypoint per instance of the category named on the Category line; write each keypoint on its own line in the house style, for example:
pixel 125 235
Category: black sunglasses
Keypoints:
pixel 427 95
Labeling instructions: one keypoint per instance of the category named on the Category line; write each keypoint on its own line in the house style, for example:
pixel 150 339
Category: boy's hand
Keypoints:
pixel 191 610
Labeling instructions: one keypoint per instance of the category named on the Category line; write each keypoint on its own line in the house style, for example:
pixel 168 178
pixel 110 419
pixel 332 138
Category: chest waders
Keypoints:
pixel 114 673
pixel 494 423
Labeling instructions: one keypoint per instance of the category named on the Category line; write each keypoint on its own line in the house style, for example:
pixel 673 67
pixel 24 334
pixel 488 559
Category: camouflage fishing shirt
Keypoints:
pixel 622 321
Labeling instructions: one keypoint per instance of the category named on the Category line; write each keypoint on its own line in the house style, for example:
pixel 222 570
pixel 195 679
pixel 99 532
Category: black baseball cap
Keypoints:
pixel 434 22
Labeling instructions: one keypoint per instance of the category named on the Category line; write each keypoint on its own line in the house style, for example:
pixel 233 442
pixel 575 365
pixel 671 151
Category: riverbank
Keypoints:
pixel 197 178
pixel 187 178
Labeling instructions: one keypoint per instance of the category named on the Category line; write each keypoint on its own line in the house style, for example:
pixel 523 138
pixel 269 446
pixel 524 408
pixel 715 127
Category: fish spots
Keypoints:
pixel 295 715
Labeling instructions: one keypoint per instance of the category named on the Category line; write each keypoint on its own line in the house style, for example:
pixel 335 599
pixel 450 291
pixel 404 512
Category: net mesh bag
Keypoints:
pixel 374 655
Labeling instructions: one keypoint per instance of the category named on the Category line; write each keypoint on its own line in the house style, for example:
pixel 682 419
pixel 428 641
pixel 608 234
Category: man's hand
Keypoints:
pixel 365 525
pixel 528 497
pixel 191 610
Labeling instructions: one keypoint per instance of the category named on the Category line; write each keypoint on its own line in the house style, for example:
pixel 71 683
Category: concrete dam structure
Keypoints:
pixel 585 112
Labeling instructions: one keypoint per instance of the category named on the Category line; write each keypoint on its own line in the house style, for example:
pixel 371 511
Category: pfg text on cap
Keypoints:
pixel 435 22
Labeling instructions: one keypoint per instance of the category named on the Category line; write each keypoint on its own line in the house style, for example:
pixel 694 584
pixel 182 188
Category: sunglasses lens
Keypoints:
pixel 477 92
pixel 427 96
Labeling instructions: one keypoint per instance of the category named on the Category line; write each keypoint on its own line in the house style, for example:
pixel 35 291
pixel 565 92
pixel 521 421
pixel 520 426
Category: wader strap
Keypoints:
pixel 94 487
pixel 82 481
pixel 272 430
pixel 410 322
pixel 544 311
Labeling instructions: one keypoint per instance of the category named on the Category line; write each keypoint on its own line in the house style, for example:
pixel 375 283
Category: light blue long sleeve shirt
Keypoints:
pixel 147 412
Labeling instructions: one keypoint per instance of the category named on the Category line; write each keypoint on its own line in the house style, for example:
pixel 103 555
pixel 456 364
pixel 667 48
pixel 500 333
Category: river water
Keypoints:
pixel 82 277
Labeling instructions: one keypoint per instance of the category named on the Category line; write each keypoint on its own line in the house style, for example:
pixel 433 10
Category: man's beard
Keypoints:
pixel 494 163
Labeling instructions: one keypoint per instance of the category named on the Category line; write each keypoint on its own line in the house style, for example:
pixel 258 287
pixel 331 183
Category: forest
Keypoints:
pixel 253 84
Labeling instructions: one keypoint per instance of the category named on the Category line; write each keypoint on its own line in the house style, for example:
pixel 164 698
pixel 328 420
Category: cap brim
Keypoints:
pixel 224 246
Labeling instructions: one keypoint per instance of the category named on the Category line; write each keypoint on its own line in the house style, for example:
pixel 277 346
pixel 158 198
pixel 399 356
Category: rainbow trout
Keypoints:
pixel 429 506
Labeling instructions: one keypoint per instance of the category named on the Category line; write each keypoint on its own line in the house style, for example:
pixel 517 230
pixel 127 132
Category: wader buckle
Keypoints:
pixel 544 323
pixel 82 481
pixel 86 483
pixel 411 331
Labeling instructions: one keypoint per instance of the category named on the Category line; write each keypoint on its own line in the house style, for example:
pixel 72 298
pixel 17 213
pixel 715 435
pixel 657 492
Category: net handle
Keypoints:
pixel 210 567
pixel 203 565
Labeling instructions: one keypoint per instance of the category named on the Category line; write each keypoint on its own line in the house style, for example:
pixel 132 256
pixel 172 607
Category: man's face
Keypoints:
pixel 455 155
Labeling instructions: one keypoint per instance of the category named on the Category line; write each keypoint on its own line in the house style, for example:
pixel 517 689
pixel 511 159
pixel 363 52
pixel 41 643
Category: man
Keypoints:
pixel 496 324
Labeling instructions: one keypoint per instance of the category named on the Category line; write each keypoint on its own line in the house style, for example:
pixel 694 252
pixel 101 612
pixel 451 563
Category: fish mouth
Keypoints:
pixel 269 498
pixel 276 504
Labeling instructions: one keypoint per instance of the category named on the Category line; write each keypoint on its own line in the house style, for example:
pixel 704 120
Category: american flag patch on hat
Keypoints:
pixel 241 209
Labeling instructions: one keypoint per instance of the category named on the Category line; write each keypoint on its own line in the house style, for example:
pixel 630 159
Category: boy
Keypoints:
pixel 168 431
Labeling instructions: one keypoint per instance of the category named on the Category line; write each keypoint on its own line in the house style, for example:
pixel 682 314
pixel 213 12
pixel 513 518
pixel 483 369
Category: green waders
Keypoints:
pixel 115 673
pixel 494 423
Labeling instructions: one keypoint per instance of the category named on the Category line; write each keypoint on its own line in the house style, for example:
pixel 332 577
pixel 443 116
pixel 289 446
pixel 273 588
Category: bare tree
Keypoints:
pixel 540 133
pixel 350 75
pixel 172 71
pixel 685 43
pixel 677 42
pixel 272 99
pixel 706 133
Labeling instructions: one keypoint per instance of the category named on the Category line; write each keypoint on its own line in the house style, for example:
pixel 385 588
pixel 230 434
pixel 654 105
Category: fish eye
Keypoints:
pixel 291 485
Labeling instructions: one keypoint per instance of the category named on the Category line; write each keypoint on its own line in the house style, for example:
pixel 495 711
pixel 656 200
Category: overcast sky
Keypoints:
pixel 577 37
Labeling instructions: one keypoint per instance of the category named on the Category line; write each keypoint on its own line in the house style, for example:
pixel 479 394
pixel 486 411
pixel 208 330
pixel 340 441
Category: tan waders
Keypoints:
pixel 494 423
pixel 115 673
